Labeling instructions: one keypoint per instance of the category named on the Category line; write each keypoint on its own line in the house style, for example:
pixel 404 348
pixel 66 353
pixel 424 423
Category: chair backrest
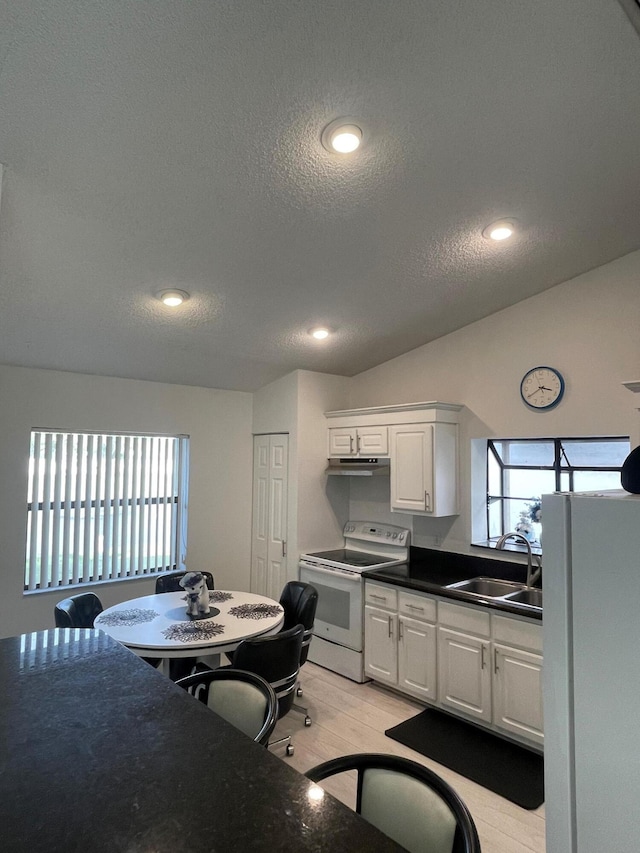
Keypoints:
pixel 242 698
pixel 77 611
pixel 170 582
pixel 408 802
pixel 300 601
pixel 277 659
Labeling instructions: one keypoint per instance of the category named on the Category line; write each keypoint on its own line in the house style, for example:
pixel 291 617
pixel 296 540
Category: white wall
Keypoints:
pixel 296 404
pixel 275 407
pixel 219 424
pixel 588 328
pixel 323 502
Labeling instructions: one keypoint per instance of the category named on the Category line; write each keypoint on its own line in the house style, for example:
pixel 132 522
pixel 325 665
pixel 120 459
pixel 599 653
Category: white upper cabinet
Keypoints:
pixel 424 469
pixel 421 441
pixel 359 441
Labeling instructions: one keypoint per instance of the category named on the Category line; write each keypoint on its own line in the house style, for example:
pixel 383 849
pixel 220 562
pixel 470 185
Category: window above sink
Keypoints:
pixel 518 471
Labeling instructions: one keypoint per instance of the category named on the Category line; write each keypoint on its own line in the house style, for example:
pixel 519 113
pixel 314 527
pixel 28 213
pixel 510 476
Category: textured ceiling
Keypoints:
pixel 149 145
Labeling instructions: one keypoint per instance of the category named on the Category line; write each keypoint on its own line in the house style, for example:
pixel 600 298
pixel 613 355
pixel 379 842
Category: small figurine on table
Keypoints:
pixel 197 597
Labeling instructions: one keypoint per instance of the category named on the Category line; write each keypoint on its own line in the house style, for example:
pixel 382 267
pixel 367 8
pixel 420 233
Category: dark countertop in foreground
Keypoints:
pixel 101 753
pixel 430 570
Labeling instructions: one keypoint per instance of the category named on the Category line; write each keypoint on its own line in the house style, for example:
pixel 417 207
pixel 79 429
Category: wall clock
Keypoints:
pixel 542 388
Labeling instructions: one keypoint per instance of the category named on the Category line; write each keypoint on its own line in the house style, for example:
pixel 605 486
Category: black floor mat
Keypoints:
pixel 511 771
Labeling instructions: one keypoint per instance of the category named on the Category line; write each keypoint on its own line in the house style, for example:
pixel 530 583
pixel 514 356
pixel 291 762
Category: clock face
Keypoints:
pixel 542 388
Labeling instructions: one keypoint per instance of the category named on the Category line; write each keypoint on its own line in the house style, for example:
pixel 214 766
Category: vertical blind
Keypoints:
pixel 104 507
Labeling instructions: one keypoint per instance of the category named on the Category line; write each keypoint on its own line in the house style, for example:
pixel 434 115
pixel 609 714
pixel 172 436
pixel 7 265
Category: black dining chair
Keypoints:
pixel 242 698
pixel 170 582
pixel 80 611
pixel 277 659
pixel 408 802
pixel 299 601
pixel 77 611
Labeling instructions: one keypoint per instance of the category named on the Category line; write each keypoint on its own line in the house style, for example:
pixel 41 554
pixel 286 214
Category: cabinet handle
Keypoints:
pixel 390 627
pixel 357 444
pixel 415 607
pixel 350 444
pixel 284 548
pixel 377 597
pixel 496 668
pixel 400 633
pixel 482 657
pixel 427 501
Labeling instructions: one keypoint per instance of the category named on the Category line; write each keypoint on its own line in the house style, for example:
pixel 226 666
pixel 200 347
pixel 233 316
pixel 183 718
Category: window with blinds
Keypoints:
pixel 104 507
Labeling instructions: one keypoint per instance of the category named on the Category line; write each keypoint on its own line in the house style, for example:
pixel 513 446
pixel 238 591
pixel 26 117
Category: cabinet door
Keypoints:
pixel 417 658
pixel 464 675
pixel 517 692
pixel 380 645
pixel 342 442
pixel 424 469
pixel 372 441
pixel 412 468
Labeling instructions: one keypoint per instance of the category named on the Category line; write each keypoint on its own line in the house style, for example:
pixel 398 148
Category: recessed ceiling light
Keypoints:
pixel 172 298
pixel 342 136
pixel 500 230
pixel 320 333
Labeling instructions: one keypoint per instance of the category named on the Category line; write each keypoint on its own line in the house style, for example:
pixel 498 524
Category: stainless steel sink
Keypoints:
pixel 532 597
pixel 488 587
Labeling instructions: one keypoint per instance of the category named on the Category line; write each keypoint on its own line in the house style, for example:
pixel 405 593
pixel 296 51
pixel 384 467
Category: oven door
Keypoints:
pixel 339 613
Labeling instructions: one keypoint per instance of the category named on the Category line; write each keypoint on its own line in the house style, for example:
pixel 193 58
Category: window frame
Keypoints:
pixel 83 467
pixel 561 467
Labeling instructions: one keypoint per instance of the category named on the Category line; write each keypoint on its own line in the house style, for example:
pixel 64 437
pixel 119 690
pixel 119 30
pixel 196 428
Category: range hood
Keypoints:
pixel 360 467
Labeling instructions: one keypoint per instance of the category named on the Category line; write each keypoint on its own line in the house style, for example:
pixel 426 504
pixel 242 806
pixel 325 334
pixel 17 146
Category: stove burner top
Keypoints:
pixel 350 558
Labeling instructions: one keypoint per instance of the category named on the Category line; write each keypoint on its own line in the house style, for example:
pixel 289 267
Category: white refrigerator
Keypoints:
pixel 591 625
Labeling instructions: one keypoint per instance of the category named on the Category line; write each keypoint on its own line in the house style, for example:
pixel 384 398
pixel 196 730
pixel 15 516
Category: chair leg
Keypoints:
pixel 280 742
pixel 301 710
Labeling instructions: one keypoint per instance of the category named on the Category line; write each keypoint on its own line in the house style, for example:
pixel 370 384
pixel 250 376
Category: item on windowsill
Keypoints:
pixel 630 473
pixel 535 517
pixel 525 528
pixel 535 510
pixel 197 597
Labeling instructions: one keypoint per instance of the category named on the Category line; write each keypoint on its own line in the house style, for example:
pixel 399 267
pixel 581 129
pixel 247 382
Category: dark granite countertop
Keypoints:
pixel 101 753
pixel 430 570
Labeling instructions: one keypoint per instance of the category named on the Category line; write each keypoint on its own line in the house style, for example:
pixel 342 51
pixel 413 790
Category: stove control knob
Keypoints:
pixel 395 535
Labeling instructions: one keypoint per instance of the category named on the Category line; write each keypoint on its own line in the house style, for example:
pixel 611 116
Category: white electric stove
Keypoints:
pixel 337 575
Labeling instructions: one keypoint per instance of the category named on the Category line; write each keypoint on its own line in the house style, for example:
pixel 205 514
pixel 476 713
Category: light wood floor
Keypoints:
pixel 349 717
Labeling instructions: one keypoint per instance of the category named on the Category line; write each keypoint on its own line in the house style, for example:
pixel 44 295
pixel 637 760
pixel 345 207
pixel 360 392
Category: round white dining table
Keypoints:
pixel 157 626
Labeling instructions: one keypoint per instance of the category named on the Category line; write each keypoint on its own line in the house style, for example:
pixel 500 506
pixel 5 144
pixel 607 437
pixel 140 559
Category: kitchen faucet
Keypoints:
pixel 532 576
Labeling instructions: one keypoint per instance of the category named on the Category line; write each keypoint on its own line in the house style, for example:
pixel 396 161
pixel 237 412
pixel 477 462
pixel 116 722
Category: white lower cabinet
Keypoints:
pixel 417 658
pixel 517 680
pixel 381 646
pixel 464 659
pixel 400 642
pixel 464 674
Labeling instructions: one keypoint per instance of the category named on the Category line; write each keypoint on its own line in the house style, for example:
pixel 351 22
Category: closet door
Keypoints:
pixel 269 534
